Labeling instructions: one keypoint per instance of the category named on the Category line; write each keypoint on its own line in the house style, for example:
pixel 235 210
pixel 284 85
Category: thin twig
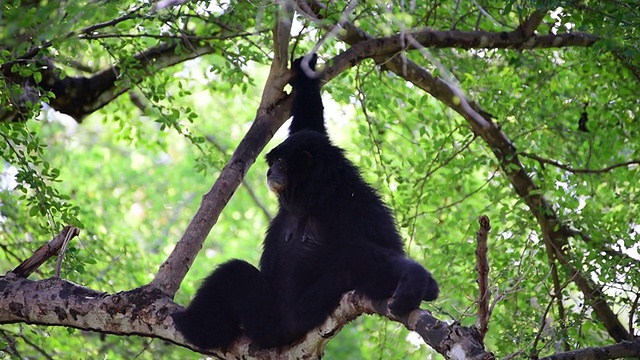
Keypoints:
pixel 556 295
pixel 63 250
pixel 579 171
pixel 146 347
pixel 36 347
pixel 11 345
pixel 543 325
pixel 557 288
pixel 485 13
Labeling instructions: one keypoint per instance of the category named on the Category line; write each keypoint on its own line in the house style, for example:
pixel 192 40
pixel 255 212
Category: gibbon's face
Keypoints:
pixel 290 165
pixel 277 176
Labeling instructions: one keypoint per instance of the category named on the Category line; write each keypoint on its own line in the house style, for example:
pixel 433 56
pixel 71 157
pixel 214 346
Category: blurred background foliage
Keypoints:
pixel 131 174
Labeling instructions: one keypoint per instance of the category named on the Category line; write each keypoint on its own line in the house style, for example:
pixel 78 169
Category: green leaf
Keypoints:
pixel 37 77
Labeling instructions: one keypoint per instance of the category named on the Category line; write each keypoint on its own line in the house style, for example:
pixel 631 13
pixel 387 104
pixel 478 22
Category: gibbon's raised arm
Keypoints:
pixel 307 108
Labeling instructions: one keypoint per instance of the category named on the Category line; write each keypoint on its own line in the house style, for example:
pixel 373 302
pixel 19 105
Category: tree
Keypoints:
pixel 519 112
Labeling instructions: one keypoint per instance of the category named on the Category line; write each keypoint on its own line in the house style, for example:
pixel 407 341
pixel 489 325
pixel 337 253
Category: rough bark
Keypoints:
pixel 146 311
pixel 143 311
pixel 625 349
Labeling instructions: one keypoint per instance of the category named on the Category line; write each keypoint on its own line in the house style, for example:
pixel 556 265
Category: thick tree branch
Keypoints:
pixel 369 47
pixel 146 312
pixel 625 349
pixel 278 74
pixel 54 301
pixel 212 140
pixel 80 96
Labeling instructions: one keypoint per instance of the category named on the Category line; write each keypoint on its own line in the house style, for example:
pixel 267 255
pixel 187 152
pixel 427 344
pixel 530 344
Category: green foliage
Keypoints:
pixel 34 176
pixel 131 174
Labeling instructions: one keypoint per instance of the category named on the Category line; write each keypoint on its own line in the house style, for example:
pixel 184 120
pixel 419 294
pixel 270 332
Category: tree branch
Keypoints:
pixel 579 171
pixel 54 301
pixel 624 349
pixel 363 46
pixel 482 267
pixel 557 293
pixel 80 96
pixel 146 312
pixel 46 251
pixel 529 26
pixel 369 47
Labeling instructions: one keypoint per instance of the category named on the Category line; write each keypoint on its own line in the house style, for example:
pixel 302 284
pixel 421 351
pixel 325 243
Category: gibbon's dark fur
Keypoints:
pixel 332 234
